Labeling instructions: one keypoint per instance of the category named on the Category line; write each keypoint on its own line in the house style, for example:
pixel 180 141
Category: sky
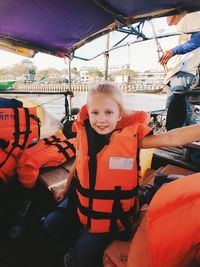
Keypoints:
pixel 141 56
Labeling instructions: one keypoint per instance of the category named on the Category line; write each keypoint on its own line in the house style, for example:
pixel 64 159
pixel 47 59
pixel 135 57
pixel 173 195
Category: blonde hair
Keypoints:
pixel 112 91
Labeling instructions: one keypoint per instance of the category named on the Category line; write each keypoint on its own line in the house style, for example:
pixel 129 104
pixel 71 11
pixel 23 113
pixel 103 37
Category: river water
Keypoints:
pixel 146 102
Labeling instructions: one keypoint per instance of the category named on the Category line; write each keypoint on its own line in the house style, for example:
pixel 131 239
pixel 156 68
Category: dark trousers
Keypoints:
pixel 63 224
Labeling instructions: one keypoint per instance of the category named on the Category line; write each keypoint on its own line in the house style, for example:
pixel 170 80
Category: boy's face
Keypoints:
pixel 103 113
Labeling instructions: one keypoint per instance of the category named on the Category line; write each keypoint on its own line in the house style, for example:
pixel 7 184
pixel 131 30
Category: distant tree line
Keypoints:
pixel 26 69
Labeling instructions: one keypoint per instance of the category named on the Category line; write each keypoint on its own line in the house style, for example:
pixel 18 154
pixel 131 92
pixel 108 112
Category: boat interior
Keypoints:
pixel 57 28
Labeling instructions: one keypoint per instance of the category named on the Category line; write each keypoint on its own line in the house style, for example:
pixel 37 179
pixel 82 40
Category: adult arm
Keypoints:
pixel 187 47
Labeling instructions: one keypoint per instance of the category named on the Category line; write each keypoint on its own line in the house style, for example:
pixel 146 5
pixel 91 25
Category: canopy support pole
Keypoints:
pixel 106 57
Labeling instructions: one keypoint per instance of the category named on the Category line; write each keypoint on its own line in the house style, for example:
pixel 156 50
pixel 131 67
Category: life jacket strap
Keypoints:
pixel 99 215
pixel 37 119
pixel 107 194
pixel 119 214
pixel 16 136
pixel 4 144
pixel 18 132
pixel 62 145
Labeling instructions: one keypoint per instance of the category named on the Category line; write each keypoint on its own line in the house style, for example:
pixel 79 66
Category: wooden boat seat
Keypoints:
pixel 55 178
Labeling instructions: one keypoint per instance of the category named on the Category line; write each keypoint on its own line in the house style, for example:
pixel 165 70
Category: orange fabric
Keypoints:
pixel 123 145
pixel 42 155
pixel 179 213
pixel 135 117
pixel 8 120
pixel 170 234
pixel 14 122
pixel 138 253
pixel 8 169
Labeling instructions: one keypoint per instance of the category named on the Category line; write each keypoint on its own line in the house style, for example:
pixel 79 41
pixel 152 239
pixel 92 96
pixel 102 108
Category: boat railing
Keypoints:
pixel 84 87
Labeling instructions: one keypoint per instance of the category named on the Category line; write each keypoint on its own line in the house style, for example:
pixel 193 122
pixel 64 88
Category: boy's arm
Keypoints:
pixel 175 137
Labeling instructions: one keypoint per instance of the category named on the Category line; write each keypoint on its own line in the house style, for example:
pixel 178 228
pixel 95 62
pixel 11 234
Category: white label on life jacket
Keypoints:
pixel 117 163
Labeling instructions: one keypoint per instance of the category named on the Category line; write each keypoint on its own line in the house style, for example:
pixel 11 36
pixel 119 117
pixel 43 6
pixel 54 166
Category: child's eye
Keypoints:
pixel 109 112
pixel 94 112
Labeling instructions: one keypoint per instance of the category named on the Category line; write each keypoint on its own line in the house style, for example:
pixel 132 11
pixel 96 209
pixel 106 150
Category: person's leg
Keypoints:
pixel 63 223
pixel 181 81
pixel 56 221
pixel 170 92
pixel 88 250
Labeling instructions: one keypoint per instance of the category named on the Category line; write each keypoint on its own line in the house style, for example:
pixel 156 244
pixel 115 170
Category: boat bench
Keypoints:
pixel 55 178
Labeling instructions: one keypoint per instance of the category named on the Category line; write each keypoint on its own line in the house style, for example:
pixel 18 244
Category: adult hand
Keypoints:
pixel 165 57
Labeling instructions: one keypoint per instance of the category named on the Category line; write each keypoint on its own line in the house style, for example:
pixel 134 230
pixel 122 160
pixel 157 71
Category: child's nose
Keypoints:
pixel 102 117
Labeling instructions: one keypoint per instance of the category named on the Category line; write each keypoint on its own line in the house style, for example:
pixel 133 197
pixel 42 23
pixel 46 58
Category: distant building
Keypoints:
pixel 121 78
pixel 87 75
pixel 148 81
pixel 149 78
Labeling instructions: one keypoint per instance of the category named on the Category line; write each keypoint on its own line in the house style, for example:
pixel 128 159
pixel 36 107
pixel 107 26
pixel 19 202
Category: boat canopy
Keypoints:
pixel 59 27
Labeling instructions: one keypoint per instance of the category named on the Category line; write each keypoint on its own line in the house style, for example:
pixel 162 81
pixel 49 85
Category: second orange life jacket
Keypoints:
pixel 48 152
pixel 173 223
pixel 20 127
pixel 169 235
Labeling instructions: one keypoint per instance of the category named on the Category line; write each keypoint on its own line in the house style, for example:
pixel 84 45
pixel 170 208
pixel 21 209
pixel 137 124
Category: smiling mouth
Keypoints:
pixel 102 127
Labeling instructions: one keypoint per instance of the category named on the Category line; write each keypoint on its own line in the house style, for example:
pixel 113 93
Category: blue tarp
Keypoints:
pixel 58 27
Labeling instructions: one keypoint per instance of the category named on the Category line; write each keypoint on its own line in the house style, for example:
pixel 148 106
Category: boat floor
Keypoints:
pixel 33 251
pixel 33 248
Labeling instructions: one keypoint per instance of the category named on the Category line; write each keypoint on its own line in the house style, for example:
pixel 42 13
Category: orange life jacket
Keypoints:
pixel 107 194
pixel 19 128
pixel 48 152
pixel 135 117
pixel 174 225
pixel 169 235
pixel 20 125
pixel 9 160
